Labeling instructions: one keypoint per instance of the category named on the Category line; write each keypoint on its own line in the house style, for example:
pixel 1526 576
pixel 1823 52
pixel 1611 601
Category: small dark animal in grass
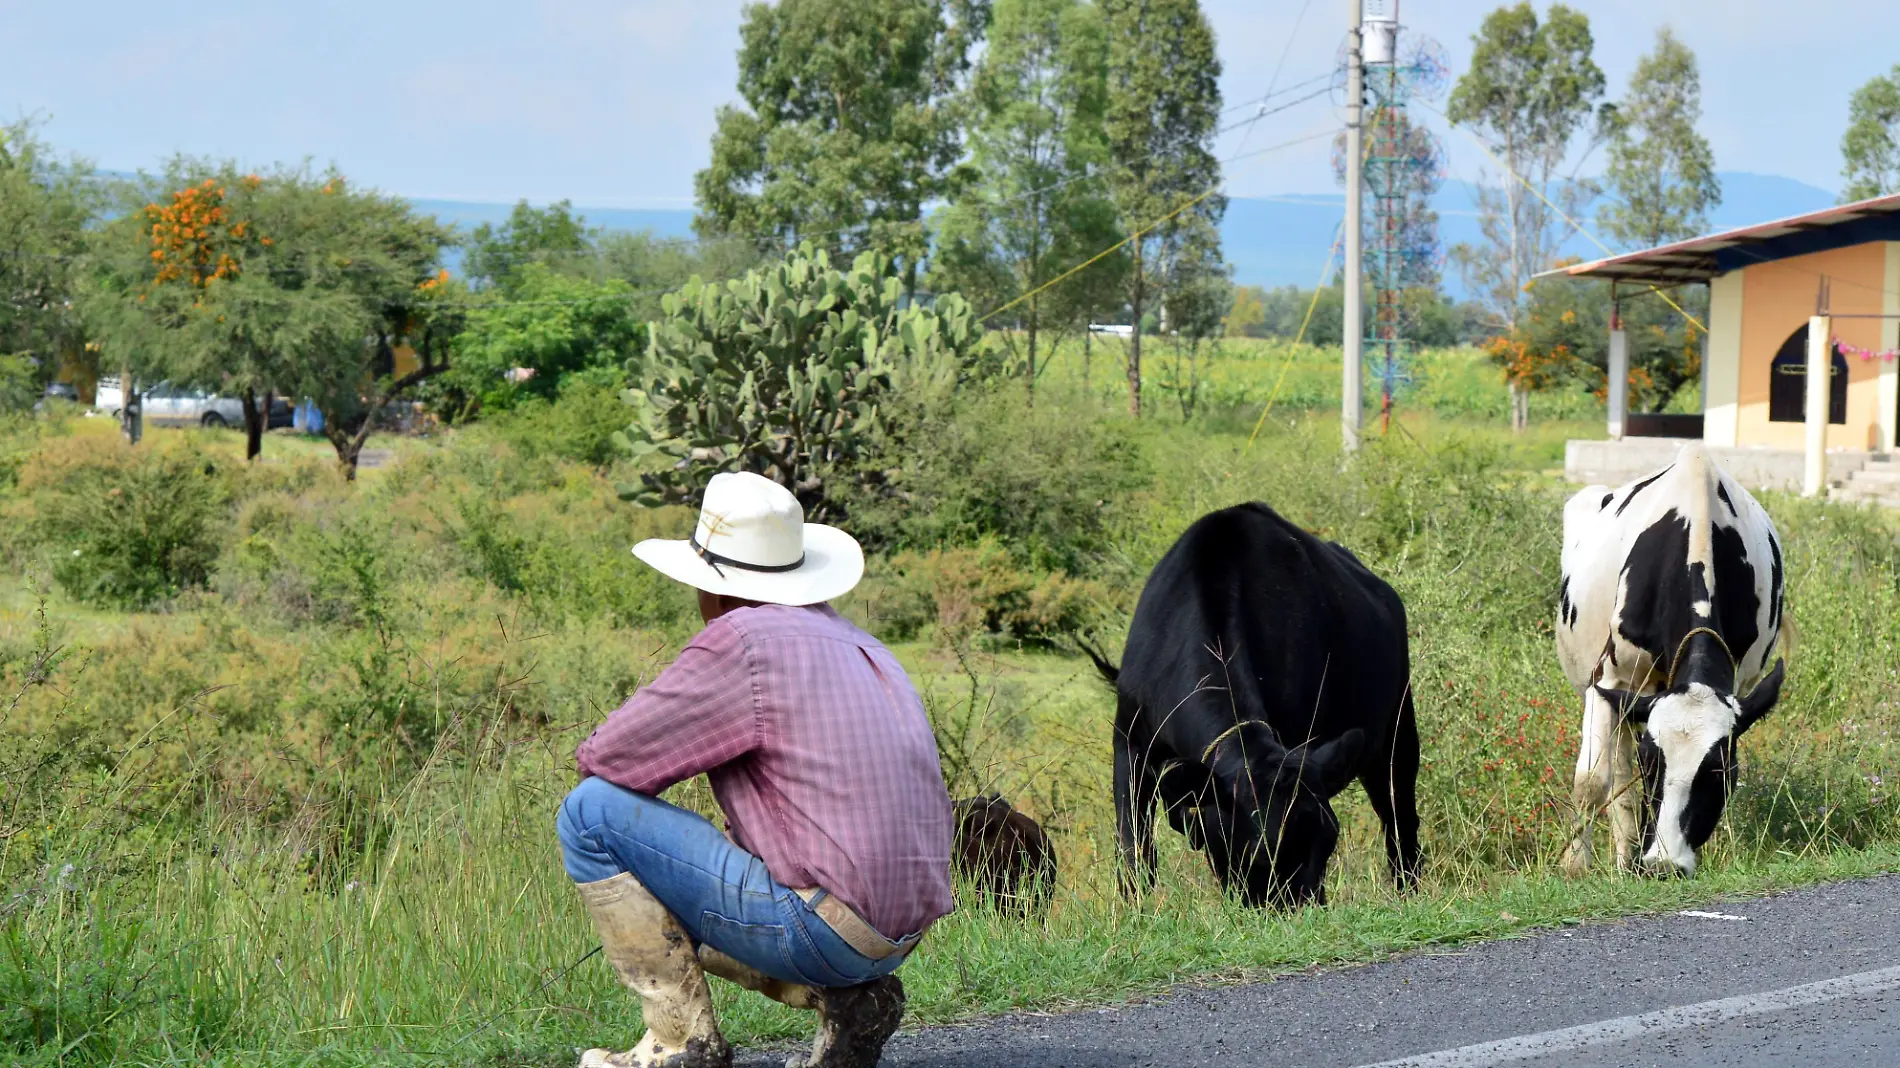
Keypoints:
pixel 1004 854
pixel 1265 669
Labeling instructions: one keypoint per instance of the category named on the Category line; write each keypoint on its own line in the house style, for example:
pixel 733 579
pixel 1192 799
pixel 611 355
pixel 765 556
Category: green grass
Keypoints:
pixel 307 809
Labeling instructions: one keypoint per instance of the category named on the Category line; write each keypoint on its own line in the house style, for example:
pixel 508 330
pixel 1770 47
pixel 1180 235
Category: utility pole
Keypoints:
pixel 1353 330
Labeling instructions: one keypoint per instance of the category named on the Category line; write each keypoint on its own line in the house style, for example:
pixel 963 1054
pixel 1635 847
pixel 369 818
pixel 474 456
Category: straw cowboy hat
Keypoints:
pixel 753 542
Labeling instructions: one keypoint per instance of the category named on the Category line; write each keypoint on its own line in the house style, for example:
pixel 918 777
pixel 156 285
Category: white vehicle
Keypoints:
pixel 168 405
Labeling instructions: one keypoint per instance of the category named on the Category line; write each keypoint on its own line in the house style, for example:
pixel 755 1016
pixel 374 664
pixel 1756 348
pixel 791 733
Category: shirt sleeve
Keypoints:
pixel 701 712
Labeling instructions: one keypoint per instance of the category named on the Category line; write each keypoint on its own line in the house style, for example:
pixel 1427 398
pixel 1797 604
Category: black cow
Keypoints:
pixel 1264 670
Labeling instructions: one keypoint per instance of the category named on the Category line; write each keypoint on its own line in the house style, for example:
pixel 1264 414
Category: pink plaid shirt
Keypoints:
pixel 817 748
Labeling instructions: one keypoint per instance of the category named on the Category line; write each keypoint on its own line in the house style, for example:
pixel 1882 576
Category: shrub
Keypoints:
pixel 124 527
pixel 579 424
pixel 959 593
pixel 1042 480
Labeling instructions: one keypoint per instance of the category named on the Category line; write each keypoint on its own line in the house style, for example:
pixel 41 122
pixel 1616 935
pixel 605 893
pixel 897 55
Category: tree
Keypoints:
pixel 1247 313
pixel 374 248
pixel 46 207
pixel 553 235
pixel 192 283
pixel 1661 170
pixel 1037 206
pixel 286 282
pixel 1563 333
pixel 1870 149
pixel 555 326
pixel 848 128
pixel 789 372
pixel 1163 111
pixel 1531 89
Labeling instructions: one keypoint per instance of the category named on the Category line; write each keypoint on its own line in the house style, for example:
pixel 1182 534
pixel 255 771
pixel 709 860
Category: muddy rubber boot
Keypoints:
pixel 854 1022
pixel 654 958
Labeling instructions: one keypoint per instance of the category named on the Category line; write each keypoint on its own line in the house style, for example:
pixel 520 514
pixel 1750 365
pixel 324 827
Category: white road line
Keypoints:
pixel 1701 915
pixel 1624 1028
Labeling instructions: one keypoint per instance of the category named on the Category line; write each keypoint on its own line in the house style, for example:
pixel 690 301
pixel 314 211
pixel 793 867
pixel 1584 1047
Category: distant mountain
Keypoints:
pixel 469 214
pixel 1274 240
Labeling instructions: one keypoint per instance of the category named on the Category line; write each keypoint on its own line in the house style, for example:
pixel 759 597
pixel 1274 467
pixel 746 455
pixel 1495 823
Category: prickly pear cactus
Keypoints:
pixel 782 372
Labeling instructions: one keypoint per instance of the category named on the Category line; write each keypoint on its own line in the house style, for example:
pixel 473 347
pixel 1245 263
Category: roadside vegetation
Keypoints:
pixel 283 727
pixel 282 751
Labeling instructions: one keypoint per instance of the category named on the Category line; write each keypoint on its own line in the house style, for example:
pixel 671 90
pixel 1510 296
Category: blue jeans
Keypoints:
pixel 720 893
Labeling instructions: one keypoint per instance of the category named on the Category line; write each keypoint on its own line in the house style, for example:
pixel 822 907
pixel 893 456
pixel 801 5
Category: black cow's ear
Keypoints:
pixel 1630 707
pixel 1335 763
pixel 1761 698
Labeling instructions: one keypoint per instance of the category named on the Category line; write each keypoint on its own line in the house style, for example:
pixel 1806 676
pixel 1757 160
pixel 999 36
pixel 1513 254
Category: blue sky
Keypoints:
pixel 612 103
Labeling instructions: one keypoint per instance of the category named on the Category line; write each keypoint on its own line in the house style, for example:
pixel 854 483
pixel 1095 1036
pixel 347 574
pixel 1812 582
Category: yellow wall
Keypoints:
pixel 1777 299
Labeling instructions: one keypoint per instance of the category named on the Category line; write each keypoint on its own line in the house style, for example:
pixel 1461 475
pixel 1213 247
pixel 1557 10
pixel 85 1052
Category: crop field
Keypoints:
pixel 282 753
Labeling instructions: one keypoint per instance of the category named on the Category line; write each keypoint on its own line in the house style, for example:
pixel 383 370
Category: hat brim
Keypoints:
pixel 834 563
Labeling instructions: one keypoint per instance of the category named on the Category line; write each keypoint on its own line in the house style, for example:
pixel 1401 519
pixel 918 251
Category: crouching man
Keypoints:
pixel 836 856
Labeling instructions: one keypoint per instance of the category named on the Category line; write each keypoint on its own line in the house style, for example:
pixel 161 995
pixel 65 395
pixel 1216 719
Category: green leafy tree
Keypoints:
pixel 46 207
pixel 1163 111
pixel 551 235
pixel 1870 149
pixel 1564 331
pixel 849 126
pixel 288 282
pixel 554 326
pixel 388 259
pixel 1661 169
pixel 1037 206
pixel 788 372
pixel 195 282
pixel 1531 90
pixel 1247 314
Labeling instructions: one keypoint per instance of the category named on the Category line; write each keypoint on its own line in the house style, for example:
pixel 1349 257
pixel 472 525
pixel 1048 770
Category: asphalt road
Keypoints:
pixel 1809 978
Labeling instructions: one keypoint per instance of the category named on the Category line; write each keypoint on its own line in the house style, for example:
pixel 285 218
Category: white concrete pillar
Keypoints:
pixel 1722 364
pixel 1619 374
pixel 1820 365
pixel 1888 385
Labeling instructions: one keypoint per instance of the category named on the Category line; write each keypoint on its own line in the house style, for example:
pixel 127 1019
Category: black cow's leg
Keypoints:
pixel 1391 782
pixel 1135 790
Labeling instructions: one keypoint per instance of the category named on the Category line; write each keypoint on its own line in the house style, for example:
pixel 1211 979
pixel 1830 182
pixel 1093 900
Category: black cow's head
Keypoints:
pixel 1686 752
pixel 1272 828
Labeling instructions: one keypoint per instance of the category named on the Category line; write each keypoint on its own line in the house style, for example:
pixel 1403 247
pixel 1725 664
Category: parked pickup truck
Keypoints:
pixel 169 405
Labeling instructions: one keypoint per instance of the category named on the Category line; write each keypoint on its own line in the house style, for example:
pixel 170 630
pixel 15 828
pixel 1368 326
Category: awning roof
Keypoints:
pixel 1702 258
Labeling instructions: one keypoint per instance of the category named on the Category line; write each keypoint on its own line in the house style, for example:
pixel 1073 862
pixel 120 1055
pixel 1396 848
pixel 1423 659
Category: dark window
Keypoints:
pixel 1788 383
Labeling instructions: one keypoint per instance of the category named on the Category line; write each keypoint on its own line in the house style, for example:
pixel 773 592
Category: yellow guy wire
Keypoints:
pixel 1607 250
pixel 1287 364
pixel 1185 205
pixel 1099 255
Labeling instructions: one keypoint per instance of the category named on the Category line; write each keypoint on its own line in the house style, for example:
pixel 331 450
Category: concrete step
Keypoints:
pixel 1884 475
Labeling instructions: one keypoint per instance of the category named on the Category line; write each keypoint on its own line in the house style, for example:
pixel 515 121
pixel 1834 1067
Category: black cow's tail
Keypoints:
pixel 1109 671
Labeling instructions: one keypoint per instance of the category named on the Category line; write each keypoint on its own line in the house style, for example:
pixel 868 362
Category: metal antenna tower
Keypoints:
pixel 1403 167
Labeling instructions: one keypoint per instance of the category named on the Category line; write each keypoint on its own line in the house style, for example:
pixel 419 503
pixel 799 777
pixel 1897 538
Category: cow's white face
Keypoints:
pixel 1692 732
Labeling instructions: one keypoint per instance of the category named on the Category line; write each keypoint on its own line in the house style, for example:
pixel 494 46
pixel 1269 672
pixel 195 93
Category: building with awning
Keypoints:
pixel 1784 296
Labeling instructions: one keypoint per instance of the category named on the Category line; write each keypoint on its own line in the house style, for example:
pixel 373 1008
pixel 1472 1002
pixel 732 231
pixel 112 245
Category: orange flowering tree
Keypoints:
pixel 290 283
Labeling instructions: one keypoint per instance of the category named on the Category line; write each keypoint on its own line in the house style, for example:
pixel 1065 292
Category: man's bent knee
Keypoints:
pixel 582 853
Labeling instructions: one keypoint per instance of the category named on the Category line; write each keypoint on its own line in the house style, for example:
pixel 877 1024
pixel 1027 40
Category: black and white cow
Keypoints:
pixel 1669 608
pixel 1265 669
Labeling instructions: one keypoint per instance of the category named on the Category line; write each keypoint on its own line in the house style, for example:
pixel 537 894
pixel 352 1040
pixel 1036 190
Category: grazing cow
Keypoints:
pixel 1669 607
pixel 1265 669
pixel 1004 854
